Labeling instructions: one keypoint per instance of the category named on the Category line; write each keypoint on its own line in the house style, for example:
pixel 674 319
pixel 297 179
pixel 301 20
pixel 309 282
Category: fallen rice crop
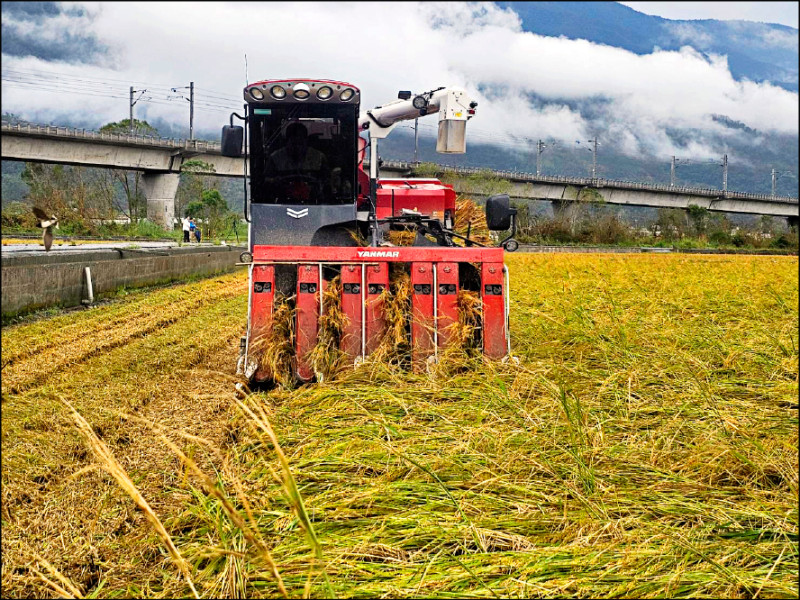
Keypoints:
pixel 645 445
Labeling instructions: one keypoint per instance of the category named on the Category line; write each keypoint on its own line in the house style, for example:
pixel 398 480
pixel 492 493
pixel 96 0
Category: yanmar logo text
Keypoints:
pixel 378 253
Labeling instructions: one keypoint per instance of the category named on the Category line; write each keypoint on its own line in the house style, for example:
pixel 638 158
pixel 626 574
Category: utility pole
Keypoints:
pixel 132 102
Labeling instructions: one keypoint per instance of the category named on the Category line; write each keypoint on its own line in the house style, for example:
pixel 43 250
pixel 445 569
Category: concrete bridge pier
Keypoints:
pixel 160 190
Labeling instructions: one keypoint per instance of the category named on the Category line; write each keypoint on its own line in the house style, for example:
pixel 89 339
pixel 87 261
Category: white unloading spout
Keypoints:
pixel 453 106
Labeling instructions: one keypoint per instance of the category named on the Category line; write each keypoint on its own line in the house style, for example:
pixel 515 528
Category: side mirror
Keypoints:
pixel 499 212
pixel 232 140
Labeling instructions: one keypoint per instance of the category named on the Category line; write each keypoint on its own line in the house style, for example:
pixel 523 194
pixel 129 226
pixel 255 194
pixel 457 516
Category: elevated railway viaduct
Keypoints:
pixel 161 161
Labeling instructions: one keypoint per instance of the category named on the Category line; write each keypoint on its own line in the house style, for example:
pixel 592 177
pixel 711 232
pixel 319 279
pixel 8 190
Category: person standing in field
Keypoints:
pixel 192 228
pixel 197 233
pixel 186 226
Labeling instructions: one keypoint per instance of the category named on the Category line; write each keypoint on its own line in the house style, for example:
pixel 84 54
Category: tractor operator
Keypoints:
pixel 301 171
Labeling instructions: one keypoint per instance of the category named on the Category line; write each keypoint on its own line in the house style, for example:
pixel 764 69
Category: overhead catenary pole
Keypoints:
pixel 672 173
pixel 540 146
pixel 725 174
pixel 191 110
pixel 774 179
pixel 132 102
pixel 130 120
pixel 594 158
pixel 190 99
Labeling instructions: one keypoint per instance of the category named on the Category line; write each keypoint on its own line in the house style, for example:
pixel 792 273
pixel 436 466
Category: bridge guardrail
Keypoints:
pixel 104 136
pixel 519 176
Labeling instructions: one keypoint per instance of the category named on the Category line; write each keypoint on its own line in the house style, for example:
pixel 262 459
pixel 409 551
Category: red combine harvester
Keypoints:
pixel 311 201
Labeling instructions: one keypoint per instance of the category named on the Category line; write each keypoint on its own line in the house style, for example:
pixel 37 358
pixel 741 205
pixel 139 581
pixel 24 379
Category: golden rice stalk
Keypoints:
pixel 395 347
pixel 468 212
pixel 401 237
pixel 110 464
pixel 464 341
pixel 274 350
pixel 355 234
pixel 326 358
pixel 69 590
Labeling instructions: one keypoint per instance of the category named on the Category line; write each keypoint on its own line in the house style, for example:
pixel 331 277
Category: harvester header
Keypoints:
pixel 324 236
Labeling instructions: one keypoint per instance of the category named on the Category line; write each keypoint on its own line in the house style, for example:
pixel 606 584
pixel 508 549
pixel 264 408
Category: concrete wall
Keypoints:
pixel 40 281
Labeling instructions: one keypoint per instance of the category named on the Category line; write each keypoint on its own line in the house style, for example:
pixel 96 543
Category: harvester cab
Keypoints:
pixel 320 232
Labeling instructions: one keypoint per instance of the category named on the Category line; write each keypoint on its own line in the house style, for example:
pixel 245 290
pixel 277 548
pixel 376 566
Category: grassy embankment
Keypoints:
pixel 646 445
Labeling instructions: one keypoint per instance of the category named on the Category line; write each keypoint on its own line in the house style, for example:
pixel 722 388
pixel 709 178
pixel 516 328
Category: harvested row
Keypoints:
pixel 178 376
pixel 52 345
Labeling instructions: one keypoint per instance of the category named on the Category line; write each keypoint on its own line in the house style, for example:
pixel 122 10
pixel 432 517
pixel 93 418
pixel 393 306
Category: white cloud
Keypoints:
pixel 385 47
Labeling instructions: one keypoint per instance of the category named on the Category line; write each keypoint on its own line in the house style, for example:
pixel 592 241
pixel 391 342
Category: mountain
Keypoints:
pixel 756 51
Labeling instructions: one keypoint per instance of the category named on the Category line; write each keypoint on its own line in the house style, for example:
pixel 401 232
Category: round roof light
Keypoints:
pixel 278 92
pixel 419 102
pixel 301 91
pixel 346 95
pixel 324 93
pixel 256 93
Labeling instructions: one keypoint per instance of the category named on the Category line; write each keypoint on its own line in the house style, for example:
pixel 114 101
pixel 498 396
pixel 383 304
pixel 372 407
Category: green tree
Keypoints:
pixel 698 215
pixel 194 181
pixel 123 127
pixel 670 223
pixel 77 195
pixel 211 210
pixel 134 204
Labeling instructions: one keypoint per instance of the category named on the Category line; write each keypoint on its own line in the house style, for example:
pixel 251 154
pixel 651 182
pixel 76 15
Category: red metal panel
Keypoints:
pixel 352 302
pixel 447 300
pixel 262 288
pixel 375 326
pixel 422 313
pixel 428 199
pixel 494 319
pixel 343 254
pixel 307 319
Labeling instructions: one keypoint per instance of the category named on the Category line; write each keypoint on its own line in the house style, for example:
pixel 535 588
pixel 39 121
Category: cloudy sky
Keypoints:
pixel 104 48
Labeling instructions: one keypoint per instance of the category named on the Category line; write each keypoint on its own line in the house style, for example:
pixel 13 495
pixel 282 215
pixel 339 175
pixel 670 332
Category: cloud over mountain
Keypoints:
pixel 528 85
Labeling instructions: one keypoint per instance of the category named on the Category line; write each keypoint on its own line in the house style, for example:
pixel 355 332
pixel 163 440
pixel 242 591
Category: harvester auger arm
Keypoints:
pixel 453 107
pixel 318 295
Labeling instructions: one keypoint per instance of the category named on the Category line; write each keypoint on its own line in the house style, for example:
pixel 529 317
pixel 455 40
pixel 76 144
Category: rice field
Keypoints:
pixel 644 446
